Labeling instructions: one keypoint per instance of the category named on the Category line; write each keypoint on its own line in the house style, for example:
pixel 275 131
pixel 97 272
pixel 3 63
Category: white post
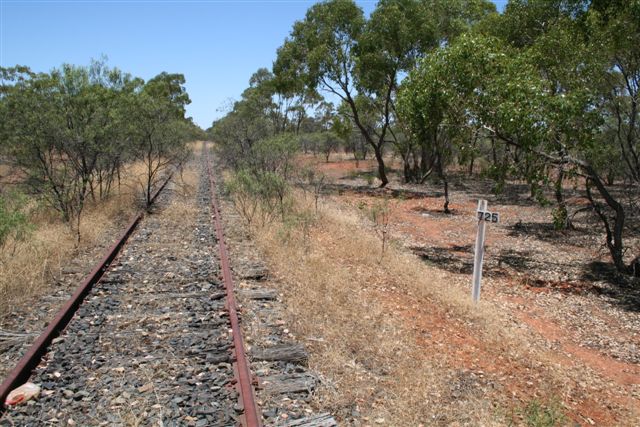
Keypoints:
pixel 479 253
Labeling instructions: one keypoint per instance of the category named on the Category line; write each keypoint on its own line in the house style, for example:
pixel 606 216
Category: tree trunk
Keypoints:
pixel 561 217
pixel 149 179
pixel 363 149
pixel 614 235
pixel 445 183
pixel 92 190
pixel 377 147
pixel 381 168
pixel 494 153
pixel 473 152
pixel 446 195
pixel 424 159
pixel 406 169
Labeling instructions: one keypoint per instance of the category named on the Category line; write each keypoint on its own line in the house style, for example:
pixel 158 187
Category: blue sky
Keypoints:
pixel 217 45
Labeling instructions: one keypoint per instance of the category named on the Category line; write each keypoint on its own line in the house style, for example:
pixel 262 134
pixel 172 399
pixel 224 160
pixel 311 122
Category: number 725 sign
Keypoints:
pixel 484 216
pixel 488 216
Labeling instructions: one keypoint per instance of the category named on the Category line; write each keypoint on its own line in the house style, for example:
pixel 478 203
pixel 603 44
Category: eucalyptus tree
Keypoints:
pixel 483 84
pixel 433 114
pixel 523 22
pixel 554 111
pixel 614 31
pixel 335 49
pixel 342 126
pixel 551 32
pixel 249 121
pixel 320 53
pixel 615 27
pixel 59 127
pixel 398 34
pixel 588 56
pixel 160 130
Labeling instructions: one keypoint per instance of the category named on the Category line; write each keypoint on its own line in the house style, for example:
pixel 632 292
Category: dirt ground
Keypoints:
pixel 556 287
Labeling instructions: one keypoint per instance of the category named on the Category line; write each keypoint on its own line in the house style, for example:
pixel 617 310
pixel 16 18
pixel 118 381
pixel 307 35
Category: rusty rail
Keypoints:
pixel 243 374
pixel 22 371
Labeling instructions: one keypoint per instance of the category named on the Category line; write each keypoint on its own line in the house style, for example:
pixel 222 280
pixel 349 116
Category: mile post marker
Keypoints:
pixel 483 216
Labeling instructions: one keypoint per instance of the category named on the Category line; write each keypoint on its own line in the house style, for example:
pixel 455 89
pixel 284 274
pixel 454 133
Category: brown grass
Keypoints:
pixel 379 364
pixel 30 266
pixel 183 208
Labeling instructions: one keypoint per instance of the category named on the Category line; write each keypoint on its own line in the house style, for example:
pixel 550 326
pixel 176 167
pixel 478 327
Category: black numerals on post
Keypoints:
pixel 489 216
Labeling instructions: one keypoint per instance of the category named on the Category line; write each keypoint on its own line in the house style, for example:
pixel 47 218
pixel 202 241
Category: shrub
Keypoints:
pixel 14 224
pixel 259 194
pixel 536 414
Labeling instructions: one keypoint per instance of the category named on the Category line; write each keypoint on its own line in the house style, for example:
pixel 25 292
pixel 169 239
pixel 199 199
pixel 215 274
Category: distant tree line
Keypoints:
pixel 545 92
pixel 72 131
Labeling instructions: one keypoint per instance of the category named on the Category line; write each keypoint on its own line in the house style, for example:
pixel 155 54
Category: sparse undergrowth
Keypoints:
pixel 381 331
pixel 31 265
pixel 537 414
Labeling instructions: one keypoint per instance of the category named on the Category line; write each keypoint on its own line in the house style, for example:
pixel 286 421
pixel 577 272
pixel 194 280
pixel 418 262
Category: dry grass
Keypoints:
pixel 182 207
pixel 360 319
pixel 21 276
pixel 30 266
pixel 185 186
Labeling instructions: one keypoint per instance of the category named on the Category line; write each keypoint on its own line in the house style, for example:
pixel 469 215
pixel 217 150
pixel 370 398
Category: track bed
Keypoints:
pixel 151 343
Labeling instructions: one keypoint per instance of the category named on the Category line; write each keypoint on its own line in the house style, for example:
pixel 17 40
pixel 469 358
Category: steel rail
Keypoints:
pixel 22 371
pixel 247 400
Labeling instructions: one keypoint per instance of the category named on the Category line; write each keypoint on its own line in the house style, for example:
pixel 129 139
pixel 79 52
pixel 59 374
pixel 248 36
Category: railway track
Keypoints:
pixel 156 341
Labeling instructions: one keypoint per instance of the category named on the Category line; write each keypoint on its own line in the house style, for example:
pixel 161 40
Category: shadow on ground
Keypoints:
pixel 620 289
pixel 596 278
pixel 437 212
pixel 379 192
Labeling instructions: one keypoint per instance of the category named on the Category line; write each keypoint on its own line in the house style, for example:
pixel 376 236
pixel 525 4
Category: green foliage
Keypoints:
pixel 309 179
pixel 160 130
pixel 274 155
pixel 301 222
pixel 555 86
pixel 322 45
pixel 545 91
pixel 63 128
pixel 260 196
pixel 536 414
pixel 253 140
pixel 337 50
pixel 72 130
pixel 560 217
pixel 245 189
pixel 262 113
pixel 525 21
pixel 343 129
pixel 323 142
pixel 14 223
